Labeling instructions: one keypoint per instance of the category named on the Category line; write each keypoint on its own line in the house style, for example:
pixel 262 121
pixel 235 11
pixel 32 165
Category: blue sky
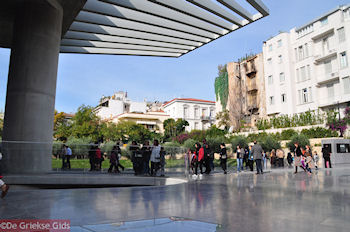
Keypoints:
pixel 83 79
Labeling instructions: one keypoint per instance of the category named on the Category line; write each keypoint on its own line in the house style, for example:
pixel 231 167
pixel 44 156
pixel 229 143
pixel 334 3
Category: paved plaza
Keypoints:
pixel 276 201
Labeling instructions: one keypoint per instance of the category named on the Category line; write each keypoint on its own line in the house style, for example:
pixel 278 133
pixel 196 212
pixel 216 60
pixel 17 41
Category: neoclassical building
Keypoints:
pixel 200 114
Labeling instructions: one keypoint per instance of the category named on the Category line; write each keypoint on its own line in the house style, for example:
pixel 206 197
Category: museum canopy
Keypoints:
pixel 36 31
pixel 168 28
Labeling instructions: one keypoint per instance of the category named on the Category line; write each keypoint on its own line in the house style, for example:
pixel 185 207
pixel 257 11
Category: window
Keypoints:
pixel 282 77
pixel 328 66
pixel 272 101
pixel 296 54
pixel 204 112
pixel 304 96
pixel 280 60
pixel 341 35
pixel 279 43
pixel 196 125
pixel 301 52
pixel 196 112
pixel 284 97
pixel 270 47
pixel 343 60
pixel 298 75
pixel 306 47
pixel 308 72
pixel 185 112
pixel 270 80
pixel 324 21
pixel 325 45
pixel 269 61
pixel 330 90
pixel 310 94
pixel 302 73
pixel 211 113
pixel 346 84
pixel 343 148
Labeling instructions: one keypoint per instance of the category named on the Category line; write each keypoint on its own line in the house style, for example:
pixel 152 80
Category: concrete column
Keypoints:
pixel 31 88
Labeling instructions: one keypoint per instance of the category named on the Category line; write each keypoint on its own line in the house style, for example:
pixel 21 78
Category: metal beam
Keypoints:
pixel 109 51
pixel 98 19
pixel 217 10
pixel 259 6
pixel 126 13
pixel 149 7
pixel 122 40
pixel 99 44
pixel 235 7
pixel 190 9
pixel 86 27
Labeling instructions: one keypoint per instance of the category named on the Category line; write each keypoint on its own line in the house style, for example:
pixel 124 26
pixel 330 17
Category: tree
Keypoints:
pixel 298 138
pixel 62 126
pixel 169 128
pixel 180 125
pixel 173 128
pixel 86 124
pixel 223 118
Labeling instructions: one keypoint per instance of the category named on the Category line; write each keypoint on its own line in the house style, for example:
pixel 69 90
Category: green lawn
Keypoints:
pixel 84 163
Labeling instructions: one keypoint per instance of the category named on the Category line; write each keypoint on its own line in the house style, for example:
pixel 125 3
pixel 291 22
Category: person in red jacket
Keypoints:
pixel 4 187
pixel 200 152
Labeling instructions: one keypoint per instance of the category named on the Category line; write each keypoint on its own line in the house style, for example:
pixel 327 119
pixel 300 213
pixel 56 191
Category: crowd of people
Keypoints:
pixel 202 158
pixel 148 160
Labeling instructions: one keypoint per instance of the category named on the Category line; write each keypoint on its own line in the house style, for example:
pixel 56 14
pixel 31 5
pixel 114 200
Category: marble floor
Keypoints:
pixel 276 201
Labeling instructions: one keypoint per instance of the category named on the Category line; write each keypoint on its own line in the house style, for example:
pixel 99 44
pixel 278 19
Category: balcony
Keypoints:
pixel 323 32
pixel 329 77
pixel 322 57
pixel 207 118
pixel 252 87
pixel 250 68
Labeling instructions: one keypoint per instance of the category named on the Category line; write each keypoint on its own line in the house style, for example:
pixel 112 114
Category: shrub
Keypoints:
pixel 288 134
pixel 301 139
pixel 239 140
pixel 213 131
pixel 181 138
pixel 106 147
pixel 56 148
pixel 197 135
pixel 214 143
pixel 270 142
pixel 257 137
pixel 79 146
pixel 173 148
pixel 319 132
pixel 189 143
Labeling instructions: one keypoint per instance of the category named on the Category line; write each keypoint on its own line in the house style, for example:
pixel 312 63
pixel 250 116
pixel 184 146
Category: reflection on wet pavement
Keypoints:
pixel 276 201
pixel 171 224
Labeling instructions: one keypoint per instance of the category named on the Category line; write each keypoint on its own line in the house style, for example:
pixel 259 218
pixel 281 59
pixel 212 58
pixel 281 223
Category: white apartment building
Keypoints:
pixel 117 104
pixel 279 75
pixel 200 114
pixel 308 68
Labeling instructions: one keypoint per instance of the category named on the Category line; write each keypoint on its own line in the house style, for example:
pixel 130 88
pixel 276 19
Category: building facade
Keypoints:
pixel 117 104
pixel 153 121
pixel 246 91
pixel 308 68
pixel 200 114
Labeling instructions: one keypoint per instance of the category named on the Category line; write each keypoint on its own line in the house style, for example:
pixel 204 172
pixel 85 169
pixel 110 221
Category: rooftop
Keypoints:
pixel 188 99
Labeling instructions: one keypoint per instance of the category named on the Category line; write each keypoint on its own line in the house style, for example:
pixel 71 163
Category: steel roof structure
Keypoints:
pixel 168 28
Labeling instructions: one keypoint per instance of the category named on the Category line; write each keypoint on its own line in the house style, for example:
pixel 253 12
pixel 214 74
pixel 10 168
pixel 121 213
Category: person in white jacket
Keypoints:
pixel 155 158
